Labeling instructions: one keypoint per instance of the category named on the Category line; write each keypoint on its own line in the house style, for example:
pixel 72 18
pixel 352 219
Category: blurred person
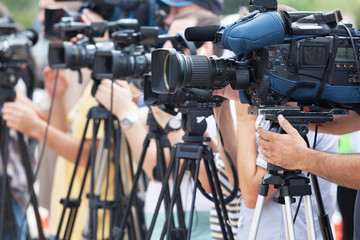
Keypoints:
pixel 69 91
pixel 17 187
pixel 180 6
pixel 25 119
pixel 125 108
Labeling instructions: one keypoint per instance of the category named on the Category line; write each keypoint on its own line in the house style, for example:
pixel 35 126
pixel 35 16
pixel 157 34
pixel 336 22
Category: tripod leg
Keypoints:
pixel 209 157
pixel 323 216
pixel 287 234
pixel 215 199
pixel 134 189
pixel 193 199
pixel 99 159
pixel 5 155
pixel 288 218
pixel 70 188
pixel 263 192
pixel 165 184
pixel 177 176
pixel 160 162
pixel 309 217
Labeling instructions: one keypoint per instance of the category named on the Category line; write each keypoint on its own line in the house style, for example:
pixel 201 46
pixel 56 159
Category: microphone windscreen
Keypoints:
pixel 204 33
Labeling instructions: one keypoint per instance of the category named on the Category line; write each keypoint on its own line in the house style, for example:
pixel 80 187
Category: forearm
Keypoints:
pixel 58 115
pixel 61 143
pixel 135 136
pixel 339 168
pixel 341 124
pixel 225 122
pixel 249 176
pixel 249 173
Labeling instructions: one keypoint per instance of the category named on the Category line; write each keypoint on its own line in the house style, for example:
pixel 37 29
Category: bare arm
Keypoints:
pixel 341 124
pixel 136 133
pixel 225 122
pixel 26 121
pixel 290 151
pixel 250 174
pixel 58 118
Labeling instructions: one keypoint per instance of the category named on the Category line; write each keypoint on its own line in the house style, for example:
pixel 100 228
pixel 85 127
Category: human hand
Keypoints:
pixel 228 93
pixel 22 118
pixel 89 17
pixel 122 97
pixel 284 150
pixel 25 101
pixel 49 81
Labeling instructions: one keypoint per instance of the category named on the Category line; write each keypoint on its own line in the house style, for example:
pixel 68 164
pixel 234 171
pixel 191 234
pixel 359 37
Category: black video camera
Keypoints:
pixel 79 54
pixel 14 55
pixel 57 18
pixel 130 56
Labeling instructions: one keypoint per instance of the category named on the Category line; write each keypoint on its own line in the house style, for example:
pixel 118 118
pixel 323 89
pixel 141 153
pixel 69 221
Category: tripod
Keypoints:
pixel 113 207
pixel 6 205
pixel 6 208
pixel 155 132
pixel 291 182
pixel 192 150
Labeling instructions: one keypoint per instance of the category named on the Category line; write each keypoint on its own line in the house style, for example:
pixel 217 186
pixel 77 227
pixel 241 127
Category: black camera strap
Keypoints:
pixel 295 68
pixel 329 67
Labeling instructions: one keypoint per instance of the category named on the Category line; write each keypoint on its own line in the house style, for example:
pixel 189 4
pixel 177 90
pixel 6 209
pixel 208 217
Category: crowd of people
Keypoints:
pixel 242 144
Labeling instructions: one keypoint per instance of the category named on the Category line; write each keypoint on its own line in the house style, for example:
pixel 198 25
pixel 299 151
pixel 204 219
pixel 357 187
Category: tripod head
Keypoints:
pixel 299 117
pixel 194 114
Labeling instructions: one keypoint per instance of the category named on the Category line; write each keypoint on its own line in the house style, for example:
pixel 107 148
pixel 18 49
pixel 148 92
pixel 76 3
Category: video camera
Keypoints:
pixel 14 55
pixel 56 18
pixel 131 56
pixel 79 54
pixel 305 57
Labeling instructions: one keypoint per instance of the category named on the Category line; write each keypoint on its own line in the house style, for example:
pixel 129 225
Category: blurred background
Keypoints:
pixel 25 11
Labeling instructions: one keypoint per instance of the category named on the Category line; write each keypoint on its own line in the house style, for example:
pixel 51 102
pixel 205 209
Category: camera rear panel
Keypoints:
pixel 312 58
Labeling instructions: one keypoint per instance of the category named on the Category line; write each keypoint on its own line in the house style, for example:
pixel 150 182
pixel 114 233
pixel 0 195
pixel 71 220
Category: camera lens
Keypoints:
pixel 172 70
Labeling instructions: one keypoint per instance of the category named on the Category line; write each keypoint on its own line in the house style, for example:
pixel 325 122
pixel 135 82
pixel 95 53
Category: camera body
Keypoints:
pixel 312 57
pixel 131 56
pixel 15 52
pixel 321 70
pixel 304 57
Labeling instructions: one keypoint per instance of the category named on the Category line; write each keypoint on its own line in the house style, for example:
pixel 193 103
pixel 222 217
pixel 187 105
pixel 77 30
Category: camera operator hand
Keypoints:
pixel 24 100
pixel 290 151
pixel 122 97
pixel 21 117
pixel 123 106
pixel 284 150
pixel 89 17
pixel 49 81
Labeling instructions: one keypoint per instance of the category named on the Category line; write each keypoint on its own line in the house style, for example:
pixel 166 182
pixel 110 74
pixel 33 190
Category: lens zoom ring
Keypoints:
pixel 201 71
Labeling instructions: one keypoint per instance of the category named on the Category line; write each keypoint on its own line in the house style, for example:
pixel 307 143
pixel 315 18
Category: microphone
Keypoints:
pixel 203 34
